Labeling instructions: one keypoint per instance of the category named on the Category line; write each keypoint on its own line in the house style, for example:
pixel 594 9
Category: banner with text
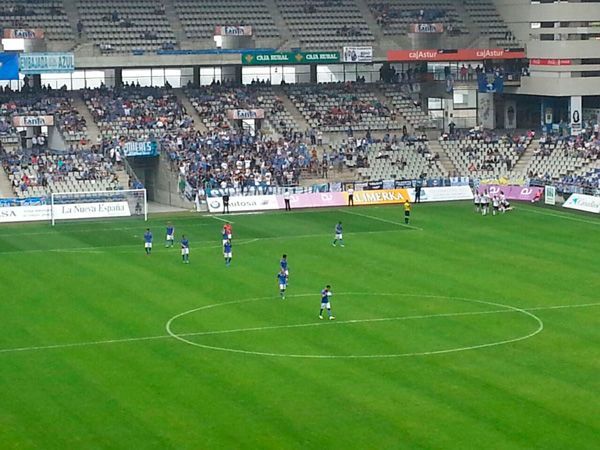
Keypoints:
pixel 33 121
pixel 67 211
pixel 246 203
pixel 426 28
pixel 462 54
pixel 149 148
pixel 512 192
pixel 443 193
pixel 276 58
pixel 380 197
pixel 358 54
pixel 9 66
pixel 550 195
pixel 55 62
pixel 243 114
pixel 91 210
pixel 549 62
pixel 314 200
pixel 233 30
pixel 23 33
pixel 583 202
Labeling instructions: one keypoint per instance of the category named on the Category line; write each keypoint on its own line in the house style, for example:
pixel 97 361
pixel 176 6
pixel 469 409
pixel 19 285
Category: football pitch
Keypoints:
pixel 457 332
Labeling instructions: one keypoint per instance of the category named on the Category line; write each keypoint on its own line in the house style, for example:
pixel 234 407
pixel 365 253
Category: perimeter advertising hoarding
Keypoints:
pixel 33 121
pixel 278 58
pixel 244 114
pixel 523 193
pixel 550 195
pixel 380 197
pixel 244 203
pixel 426 28
pixel 54 62
pixel 236 30
pixel 358 54
pixel 23 33
pixel 67 211
pixel 462 54
pixel 583 202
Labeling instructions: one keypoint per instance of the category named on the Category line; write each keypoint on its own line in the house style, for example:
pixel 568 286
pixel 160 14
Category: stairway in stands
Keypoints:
pixel 93 132
pixel 445 161
pixel 301 123
pixel 5 186
pixel 190 110
pixel 523 162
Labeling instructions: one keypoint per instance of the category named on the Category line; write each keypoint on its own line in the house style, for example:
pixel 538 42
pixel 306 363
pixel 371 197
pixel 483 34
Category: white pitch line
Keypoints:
pixel 165 336
pixel 381 220
pixel 560 216
pixel 221 219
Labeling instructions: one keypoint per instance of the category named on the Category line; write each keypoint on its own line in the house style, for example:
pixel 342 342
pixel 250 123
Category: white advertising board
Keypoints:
pixel 66 211
pixel 246 203
pixel 24 213
pixel 583 202
pixel 550 195
pixel 443 193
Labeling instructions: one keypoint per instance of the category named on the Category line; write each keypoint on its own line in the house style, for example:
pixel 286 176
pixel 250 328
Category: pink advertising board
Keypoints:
pixel 512 192
pixel 314 200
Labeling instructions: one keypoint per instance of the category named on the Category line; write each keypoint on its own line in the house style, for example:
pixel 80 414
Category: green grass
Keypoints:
pixel 439 286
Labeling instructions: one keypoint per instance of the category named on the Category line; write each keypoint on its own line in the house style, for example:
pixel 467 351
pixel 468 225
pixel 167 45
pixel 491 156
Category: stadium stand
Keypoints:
pixel 39 174
pixel 321 24
pixel 395 16
pixel 489 23
pixel 135 113
pixel 564 158
pixel 334 107
pixel 485 153
pixel 123 26
pixel 401 99
pixel 46 102
pixel 400 160
pixel 244 160
pixel 200 17
pixel 48 15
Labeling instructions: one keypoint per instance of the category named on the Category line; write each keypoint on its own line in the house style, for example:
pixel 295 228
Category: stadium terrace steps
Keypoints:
pixel 74 17
pixel 445 161
pixel 5 186
pixel 93 132
pixel 190 110
pixel 400 120
pixel 301 122
pixel 524 161
pixel 280 22
pixel 174 22
pixel 371 22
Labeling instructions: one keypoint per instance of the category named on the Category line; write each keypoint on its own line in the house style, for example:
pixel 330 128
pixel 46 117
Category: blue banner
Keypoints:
pixel 149 148
pixel 490 83
pixel 30 201
pixel 9 66
pixel 56 62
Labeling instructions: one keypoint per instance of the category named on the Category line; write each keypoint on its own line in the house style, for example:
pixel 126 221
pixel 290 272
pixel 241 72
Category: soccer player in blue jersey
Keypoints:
pixel 170 235
pixel 338 235
pixel 225 237
pixel 227 252
pixel 325 303
pixel 283 264
pixel 185 249
pixel 148 241
pixel 282 277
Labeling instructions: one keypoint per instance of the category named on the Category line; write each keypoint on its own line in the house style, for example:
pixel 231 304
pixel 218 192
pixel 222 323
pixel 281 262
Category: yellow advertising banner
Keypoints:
pixel 380 197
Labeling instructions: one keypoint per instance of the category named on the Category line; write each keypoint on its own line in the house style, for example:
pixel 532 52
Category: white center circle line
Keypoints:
pixel 505 308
